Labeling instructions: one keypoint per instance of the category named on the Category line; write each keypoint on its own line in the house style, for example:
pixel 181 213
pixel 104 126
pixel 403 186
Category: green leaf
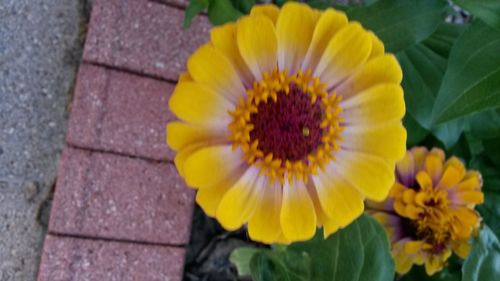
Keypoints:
pixel 415 132
pixel 241 258
pixel 358 252
pixel 485 125
pixel 472 79
pixel 243 5
pixel 486 10
pixel 490 209
pixel 222 11
pixel 194 8
pixel 423 68
pixel 280 265
pixel 400 23
pixel 483 262
pixel 417 273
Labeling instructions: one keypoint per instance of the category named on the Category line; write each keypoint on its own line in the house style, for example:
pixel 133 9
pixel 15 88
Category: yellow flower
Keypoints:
pixel 289 119
pixel 430 210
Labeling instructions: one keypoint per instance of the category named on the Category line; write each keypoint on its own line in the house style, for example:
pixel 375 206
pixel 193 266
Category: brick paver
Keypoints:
pixel 142 36
pixel 120 112
pixel 116 197
pixel 120 211
pixel 68 259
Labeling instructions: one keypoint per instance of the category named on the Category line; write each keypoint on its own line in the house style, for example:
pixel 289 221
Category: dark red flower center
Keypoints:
pixel 290 127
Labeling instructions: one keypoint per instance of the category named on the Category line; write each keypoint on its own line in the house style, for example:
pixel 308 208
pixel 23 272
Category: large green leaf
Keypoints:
pixel 222 11
pixel 400 23
pixel 483 262
pixel 487 10
pixel 194 8
pixel 485 125
pixel 423 67
pixel 472 79
pixel 281 265
pixel 415 132
pixel 358 252
pixel 490 209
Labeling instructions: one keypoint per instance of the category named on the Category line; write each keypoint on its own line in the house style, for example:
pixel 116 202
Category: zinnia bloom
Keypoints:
pixel 289 119
pixel 430 210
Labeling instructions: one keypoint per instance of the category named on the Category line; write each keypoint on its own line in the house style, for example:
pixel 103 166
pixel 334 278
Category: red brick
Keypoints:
pixel 144 37
pixel 73 259
pixel 116 197
pixel 120 112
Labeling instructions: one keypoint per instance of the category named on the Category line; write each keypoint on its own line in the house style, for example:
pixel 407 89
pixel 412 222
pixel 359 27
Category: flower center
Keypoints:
pixel 289 128
pixel 288 125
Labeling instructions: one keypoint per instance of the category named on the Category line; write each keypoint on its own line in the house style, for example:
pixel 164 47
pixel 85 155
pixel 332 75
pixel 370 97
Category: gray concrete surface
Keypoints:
pixel 40 49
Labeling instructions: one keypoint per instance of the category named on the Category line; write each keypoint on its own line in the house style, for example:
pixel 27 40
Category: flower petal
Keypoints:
pixel 371 175
pixel 199 104
pixel 383 69
pixel 210 165
pixel 211 67
pixel 378 104
pixel 268 10
pixel 378 48
pixel 330 22
pixel 298 218
pixel 387 140
pixel 264 225
pixel 223 38
pixel 294 19
pixel 209 198
pixel 256 38
pixel 347 51
pixel 239 202
pixel 180 135
pixel 341 201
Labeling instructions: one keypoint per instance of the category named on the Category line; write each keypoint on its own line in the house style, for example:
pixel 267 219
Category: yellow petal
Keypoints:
pixel 239 202
pixel 294 19
pixel 268 10
pixel 419 155
pixel 256 38
pixel 383 69
pixel 185 77
pixel 199 104
pixel 329 227
pixel 264 225
pixel 402 261
pixel 183 154
pixel 223 38
pixel 210 165
pixel 461 248
pixel 298 218
pixel 434 167
pixel 471 181
pixel 405 169
pixel 387 140
pixel 209 66
pixel 371 175
pixel 209 198
pixel 451 177
pixel 341 201
pixel 321 217
pixel 424 180
pixel 378 104
pixel 347 51
pixel 378 48
pixel 469 197
pixel 180 135
pixel 330 22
